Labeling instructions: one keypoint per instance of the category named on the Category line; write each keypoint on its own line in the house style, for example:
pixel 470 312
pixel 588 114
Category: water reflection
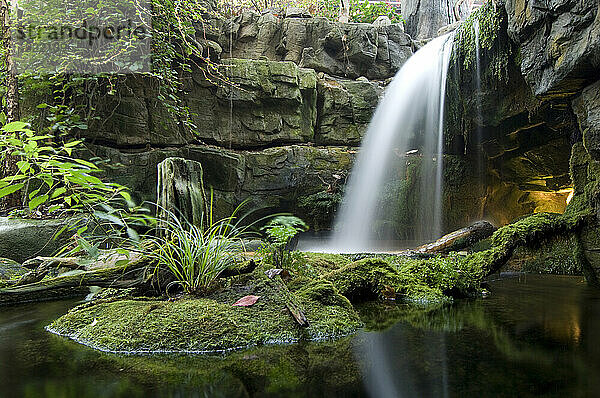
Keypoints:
pixel 531 337
pixel 534 336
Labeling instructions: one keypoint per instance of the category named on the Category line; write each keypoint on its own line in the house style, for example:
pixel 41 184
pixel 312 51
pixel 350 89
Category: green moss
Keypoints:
pixel 557 255
pixel 325 262
pixel 211 323
pixel 318 209
pixel 365 279
pixel 491 21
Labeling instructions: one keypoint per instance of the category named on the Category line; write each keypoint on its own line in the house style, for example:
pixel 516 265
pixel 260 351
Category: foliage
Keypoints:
pixel 197 254
pixel 279 232
pixel 367 12
pixel 50 176
pixel 360 11
pixel 490 21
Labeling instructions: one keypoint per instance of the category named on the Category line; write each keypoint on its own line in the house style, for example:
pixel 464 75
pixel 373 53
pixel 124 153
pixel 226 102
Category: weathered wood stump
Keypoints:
pixel 180 190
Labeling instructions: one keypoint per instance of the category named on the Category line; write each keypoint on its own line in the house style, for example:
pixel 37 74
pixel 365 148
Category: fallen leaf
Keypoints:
pixel 246 301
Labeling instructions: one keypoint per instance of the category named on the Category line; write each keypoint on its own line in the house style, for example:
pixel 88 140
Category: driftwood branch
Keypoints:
pixel 290 300
pixel 458 240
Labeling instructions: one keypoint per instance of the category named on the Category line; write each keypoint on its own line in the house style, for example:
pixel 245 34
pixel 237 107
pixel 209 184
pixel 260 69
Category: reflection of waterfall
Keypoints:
pixel 411 113
pixel 404 362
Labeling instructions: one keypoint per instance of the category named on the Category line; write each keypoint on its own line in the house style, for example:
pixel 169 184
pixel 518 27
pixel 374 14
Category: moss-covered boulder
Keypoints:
pixel 10 269
pixel 210 323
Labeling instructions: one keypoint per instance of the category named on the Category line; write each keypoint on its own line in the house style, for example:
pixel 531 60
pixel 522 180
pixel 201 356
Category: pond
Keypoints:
pixel 532 336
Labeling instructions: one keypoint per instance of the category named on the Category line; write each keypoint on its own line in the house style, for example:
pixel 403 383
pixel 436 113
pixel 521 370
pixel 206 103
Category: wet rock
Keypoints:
pixel 22 239
pixel 559 44
pixel 587 109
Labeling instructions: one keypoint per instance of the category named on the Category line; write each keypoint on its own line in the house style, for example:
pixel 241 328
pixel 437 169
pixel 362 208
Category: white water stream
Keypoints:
pixel 411 111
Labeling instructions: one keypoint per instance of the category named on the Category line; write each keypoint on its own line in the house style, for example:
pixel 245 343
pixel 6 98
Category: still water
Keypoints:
pixel 532 336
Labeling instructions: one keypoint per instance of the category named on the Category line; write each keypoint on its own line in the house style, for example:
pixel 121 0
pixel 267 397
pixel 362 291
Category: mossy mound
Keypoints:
pixel 211 323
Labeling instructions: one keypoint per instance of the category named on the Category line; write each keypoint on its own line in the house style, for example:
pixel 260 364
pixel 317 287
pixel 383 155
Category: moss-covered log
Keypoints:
pixel 131 275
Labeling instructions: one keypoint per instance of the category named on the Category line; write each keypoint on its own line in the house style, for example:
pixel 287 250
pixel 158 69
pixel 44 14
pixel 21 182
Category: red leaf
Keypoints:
pixel 246 301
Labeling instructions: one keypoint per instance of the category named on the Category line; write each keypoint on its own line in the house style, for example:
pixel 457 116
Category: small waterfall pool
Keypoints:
pixel 533 336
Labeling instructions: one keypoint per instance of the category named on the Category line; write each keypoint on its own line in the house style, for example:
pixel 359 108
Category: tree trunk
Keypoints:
pixel 9 163
pixel 460 239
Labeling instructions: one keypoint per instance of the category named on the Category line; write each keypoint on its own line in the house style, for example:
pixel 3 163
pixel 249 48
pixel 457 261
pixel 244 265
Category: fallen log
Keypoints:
pixel 130 275
pixel 458 240
pixel 141 273
pixel 46 264
pixel 290 300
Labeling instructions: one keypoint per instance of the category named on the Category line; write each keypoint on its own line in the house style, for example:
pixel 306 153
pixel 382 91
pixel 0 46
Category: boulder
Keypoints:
pixel 559 43
pixel 22 239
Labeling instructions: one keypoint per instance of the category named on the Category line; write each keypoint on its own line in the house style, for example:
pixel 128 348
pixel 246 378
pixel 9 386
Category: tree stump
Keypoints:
pixel 180 190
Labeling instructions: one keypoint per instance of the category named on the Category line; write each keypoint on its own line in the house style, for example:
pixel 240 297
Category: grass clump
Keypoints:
pixel 196 255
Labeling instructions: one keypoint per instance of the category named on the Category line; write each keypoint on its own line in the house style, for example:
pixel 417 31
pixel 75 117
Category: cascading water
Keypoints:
pixel 478 94
pixel 412 110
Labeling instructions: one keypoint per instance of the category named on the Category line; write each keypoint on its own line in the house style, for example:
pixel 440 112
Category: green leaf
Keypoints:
pixel 23 165
pixel 125 195
pixel 58 191
pixel 73 144
pixel 14 126
pixel 10 189
pixel 38 200
pixel 86 163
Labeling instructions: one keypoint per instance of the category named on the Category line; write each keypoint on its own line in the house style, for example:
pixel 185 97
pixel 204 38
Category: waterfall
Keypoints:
pixel 478 95
pixel 411 113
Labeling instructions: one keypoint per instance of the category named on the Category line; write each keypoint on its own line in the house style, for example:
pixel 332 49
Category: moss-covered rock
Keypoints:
pixel 560 255
pixel 210 323
pixel 10 270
